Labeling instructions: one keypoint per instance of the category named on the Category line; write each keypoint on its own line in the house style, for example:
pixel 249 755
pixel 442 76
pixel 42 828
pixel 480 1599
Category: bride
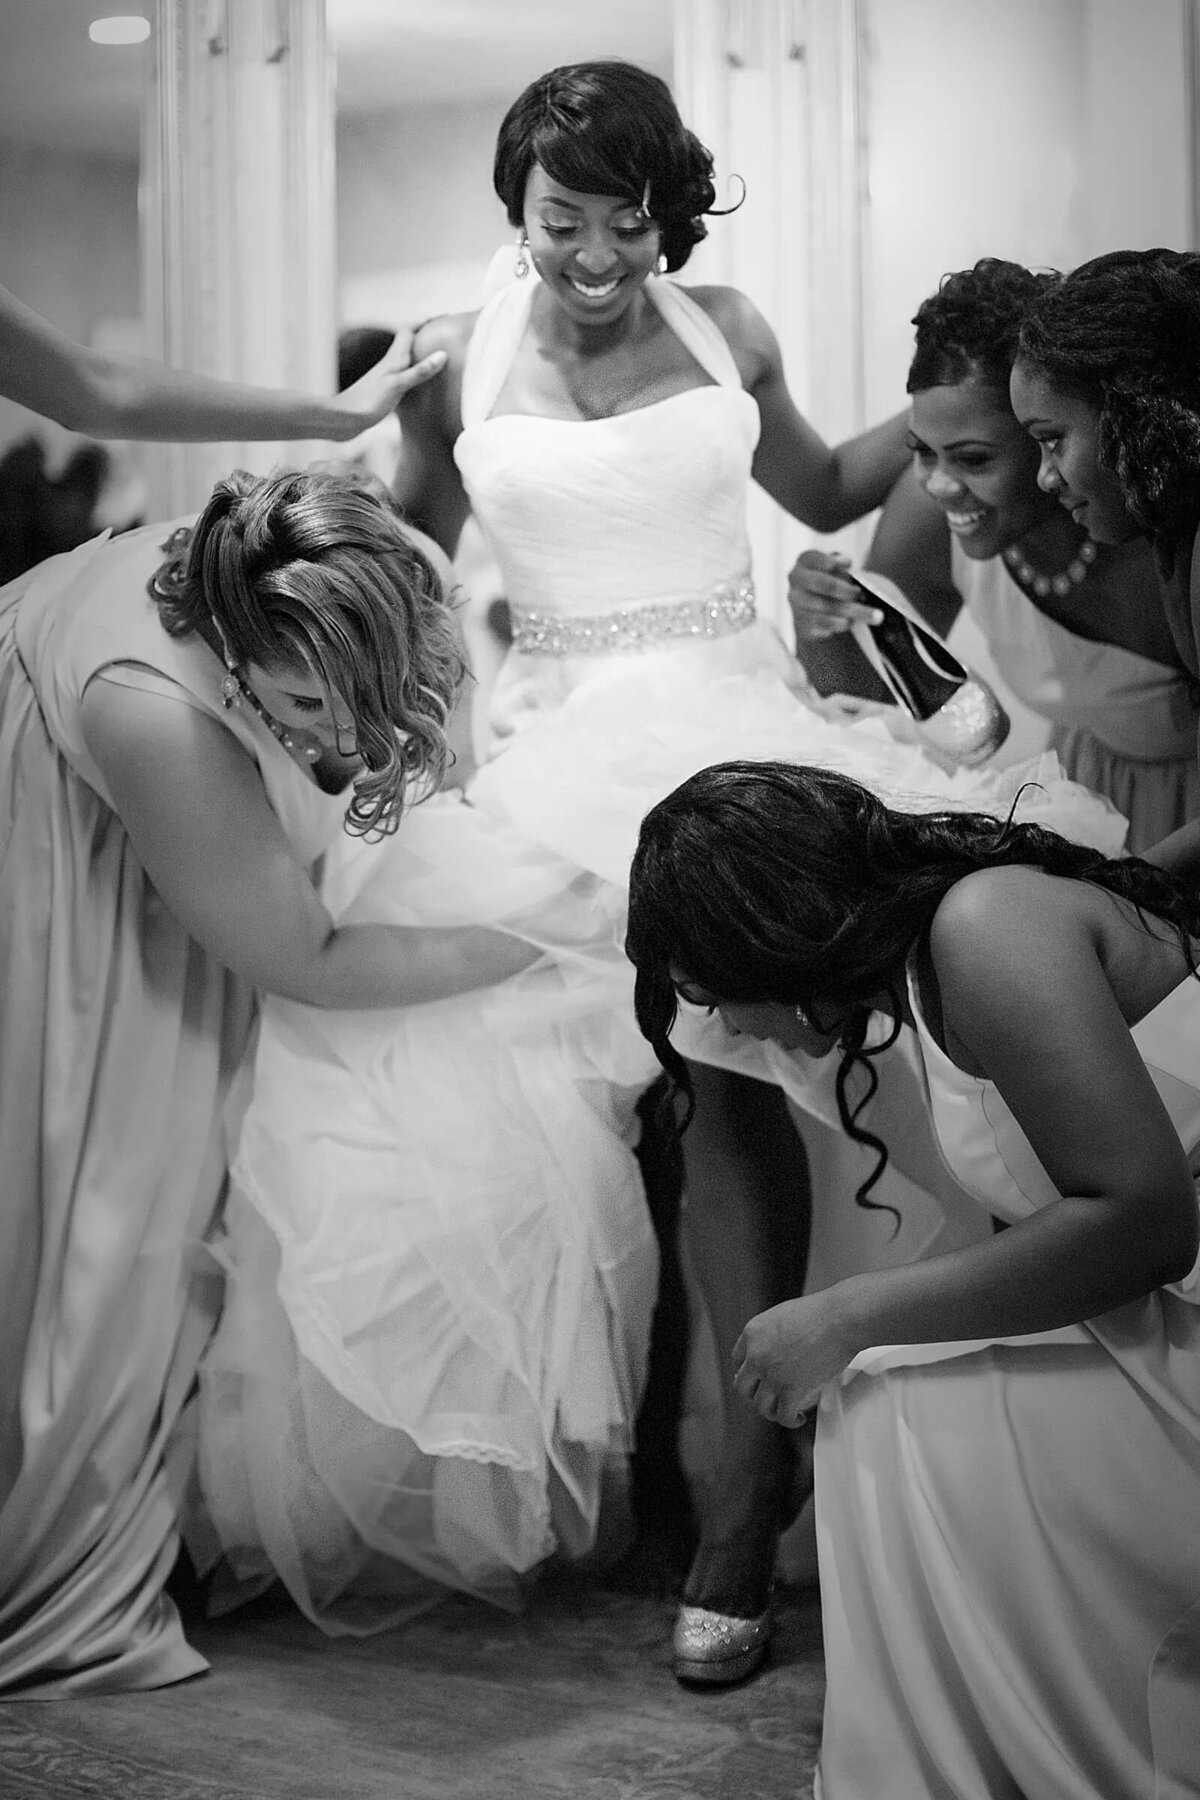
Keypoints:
pixel 440 1263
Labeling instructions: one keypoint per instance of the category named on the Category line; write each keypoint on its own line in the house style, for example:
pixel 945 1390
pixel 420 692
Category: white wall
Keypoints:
pixel 1045 131
pixel 417 218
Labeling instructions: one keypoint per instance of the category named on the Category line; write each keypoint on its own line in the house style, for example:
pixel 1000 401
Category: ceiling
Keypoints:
pixel 59 89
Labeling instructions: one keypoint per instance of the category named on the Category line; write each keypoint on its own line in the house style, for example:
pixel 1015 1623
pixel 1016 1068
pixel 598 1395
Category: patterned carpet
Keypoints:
pixel 573 1700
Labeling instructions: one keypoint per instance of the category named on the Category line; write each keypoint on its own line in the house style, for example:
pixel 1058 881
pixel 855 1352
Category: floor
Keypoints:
pixel 573 1700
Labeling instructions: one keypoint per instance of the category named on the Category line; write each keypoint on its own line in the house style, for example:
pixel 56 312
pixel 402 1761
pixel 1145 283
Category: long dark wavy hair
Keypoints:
pixel 768 881
pixel 971 326
pixel 609 127
pixel 1122 332
pixel 317 568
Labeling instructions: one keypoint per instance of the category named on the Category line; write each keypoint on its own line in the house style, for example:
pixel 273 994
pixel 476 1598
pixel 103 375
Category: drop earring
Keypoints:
pixel 521 266
pixel 231 686
pixel 660 266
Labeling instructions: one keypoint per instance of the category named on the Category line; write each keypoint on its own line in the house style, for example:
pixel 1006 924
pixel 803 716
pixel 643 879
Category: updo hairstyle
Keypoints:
pixel 316 569
pixel 609 128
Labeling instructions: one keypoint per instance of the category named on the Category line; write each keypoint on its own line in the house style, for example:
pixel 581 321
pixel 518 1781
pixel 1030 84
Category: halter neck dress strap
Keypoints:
pixel 493 345
pixel 695 330
pixel 504 319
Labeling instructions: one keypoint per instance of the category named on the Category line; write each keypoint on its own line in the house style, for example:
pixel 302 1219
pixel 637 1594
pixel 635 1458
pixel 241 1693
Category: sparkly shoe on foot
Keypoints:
pixel 957 715
pixel 715 1649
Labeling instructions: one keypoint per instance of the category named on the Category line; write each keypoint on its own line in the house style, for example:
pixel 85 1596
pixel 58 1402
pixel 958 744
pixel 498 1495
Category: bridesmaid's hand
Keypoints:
pixel 785 1356
pixel 382 388
pixel 823 602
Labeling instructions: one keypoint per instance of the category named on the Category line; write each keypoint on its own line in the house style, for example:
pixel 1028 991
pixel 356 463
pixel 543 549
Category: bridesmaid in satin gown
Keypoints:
pixel 1007 1436
pixel 183 733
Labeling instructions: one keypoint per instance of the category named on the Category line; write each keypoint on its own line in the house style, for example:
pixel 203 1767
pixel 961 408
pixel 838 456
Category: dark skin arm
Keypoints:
pixel 1180 853
pixel 823 486
pixel 1020 964
pixel 912 547
pixel 427 482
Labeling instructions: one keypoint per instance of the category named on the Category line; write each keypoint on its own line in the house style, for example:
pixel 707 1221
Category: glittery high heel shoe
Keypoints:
pixel 957 715
pixel 716 1648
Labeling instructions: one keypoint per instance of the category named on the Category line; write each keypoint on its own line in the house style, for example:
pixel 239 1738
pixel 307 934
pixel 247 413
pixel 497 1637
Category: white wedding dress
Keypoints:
pixel 440 1265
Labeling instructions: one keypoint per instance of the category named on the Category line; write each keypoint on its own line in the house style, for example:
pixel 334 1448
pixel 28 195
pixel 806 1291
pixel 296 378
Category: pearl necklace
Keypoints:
pixel 1035 582
pixel 235 688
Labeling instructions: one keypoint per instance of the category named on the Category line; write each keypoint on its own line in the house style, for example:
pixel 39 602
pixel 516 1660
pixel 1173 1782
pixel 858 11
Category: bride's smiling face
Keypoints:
pixel 593 251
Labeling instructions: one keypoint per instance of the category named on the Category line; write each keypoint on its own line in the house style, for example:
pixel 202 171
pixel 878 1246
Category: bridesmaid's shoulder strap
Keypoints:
pixel 695 330
pixel 493 345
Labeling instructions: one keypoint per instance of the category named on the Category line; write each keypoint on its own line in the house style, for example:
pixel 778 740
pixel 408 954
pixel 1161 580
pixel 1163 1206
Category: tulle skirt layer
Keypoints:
pixel 440 1265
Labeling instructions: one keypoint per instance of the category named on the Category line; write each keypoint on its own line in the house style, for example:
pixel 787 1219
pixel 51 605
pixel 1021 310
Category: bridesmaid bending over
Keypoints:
pixel 185 726
pixel 1007 1490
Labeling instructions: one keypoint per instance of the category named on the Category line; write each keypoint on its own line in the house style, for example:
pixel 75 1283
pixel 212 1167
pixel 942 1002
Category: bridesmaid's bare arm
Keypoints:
pixel 197 815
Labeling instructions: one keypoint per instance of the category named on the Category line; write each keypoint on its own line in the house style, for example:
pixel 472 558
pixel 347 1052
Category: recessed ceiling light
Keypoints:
pixel 124 28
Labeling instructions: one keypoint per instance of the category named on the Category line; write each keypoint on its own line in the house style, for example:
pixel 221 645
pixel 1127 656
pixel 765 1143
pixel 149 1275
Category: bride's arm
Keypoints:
pixel 823 486
pixel 427 483
pixel 460 736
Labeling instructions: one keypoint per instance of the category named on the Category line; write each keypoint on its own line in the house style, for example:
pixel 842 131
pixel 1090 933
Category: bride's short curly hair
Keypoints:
pixel 609 127
pixel 318 569
pixel 1122 332
pixel 971 326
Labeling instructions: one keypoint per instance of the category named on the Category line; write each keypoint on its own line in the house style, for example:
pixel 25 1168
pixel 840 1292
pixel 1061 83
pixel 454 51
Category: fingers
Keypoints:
pixel 773 1403
pixel 399 351
pixel 824 601
pixel 783 1406
pixel 791 1416
pixel 422 371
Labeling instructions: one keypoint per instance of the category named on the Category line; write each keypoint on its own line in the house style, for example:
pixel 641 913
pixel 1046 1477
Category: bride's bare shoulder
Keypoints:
pixel 449 332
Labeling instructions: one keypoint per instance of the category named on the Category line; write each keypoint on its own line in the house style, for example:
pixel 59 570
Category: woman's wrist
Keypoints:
pixel 852 1315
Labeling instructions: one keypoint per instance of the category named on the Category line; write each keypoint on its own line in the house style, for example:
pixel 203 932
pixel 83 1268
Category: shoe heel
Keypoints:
pixel 956 713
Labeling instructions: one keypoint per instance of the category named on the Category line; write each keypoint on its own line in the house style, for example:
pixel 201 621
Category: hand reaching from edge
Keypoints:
pixel 382 388
pixel 785 1356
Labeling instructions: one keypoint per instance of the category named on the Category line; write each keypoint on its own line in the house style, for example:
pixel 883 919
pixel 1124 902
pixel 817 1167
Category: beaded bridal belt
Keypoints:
pixel 728 608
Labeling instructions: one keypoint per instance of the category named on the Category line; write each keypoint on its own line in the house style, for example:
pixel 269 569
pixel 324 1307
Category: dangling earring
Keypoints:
pixel 660 267
pixel 802 1017
pixel 521 266
pixel 231 687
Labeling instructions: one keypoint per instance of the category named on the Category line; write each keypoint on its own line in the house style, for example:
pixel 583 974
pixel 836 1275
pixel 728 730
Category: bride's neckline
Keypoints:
pixel 630 412
pixel 666 301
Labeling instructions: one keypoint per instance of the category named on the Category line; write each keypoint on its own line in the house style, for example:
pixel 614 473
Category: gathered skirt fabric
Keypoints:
pixel 440 1264
pixel 120 1039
